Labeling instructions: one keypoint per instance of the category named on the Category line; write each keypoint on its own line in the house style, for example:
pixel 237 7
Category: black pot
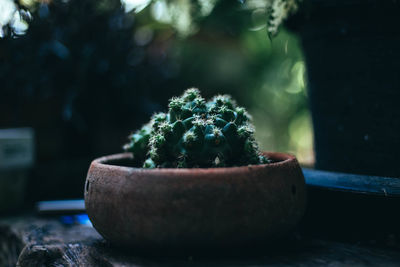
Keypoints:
pixel 352 53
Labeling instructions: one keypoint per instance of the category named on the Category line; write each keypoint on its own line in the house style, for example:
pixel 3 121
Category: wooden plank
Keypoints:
pixel 363 184
pixel 47 242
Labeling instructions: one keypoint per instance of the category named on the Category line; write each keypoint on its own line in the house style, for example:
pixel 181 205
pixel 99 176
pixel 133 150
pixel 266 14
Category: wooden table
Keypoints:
pixel 33 241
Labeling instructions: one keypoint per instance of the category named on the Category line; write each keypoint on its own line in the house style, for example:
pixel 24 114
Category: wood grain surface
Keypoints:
pixel 32 241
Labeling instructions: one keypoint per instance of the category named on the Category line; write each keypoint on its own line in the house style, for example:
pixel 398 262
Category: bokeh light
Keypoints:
pixel 84 74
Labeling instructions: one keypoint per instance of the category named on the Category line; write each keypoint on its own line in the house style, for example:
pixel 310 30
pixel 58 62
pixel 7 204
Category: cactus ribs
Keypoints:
pixel 196 133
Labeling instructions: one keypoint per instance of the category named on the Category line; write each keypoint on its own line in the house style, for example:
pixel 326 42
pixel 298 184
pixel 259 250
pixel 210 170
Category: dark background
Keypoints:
pixel 84 74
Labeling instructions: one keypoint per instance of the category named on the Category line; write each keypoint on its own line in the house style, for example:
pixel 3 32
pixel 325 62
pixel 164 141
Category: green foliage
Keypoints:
pixel 196 133
pixel 278 11
pixel 13 19
pixel 184 15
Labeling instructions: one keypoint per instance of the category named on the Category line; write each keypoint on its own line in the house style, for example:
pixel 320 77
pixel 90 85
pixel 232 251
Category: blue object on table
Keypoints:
pixel 353 183
pixel 81 219
pixel 70 206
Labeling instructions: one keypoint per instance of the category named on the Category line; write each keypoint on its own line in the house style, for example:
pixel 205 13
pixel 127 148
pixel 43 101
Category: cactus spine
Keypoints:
pixel 196 133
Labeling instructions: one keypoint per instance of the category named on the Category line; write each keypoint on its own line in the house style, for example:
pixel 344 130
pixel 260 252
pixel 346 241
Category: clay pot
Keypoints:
pixel 194 207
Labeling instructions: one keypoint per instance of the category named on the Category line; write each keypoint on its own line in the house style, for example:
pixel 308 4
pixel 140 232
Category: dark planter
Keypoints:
pixel 166 208
pixel 352 53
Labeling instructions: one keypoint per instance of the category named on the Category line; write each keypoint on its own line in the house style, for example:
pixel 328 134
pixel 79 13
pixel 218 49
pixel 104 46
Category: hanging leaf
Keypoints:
pixel 278 11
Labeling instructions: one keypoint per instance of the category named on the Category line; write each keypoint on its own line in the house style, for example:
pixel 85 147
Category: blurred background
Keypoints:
pixel 79 76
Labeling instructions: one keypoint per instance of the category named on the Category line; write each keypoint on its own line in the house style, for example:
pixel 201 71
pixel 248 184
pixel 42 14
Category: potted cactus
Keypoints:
pixel 194 176
pixel 196 133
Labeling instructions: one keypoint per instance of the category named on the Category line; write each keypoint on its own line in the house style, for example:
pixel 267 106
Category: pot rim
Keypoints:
pixel 281 159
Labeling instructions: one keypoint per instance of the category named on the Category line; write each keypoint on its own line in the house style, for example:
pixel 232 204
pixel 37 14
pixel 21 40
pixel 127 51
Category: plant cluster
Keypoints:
pixel 196 133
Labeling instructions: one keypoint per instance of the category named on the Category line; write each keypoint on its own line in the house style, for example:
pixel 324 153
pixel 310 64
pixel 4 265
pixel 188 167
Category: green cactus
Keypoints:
pixel 196 133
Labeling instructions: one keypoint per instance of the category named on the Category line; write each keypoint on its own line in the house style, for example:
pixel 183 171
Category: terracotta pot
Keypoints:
pixel 194 207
